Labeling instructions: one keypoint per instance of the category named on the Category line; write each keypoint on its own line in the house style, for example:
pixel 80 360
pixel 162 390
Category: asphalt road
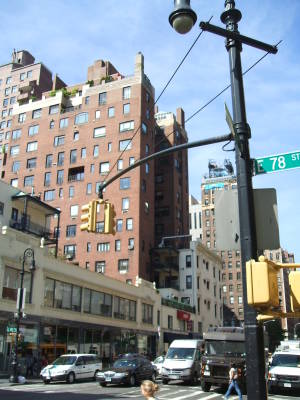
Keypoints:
pixel 92 391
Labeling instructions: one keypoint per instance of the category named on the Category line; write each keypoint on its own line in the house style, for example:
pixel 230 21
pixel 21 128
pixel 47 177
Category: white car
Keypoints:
pixel 158 363
pixel 284 370
pixel 70 367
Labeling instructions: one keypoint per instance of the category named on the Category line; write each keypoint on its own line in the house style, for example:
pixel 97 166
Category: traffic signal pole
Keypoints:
pixel 255 356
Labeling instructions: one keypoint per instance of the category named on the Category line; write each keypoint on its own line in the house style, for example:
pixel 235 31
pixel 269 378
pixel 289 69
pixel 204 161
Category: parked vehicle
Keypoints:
pixel 183 361
pixel 70 367
pixel 158 363
pixel 222 347
pixel 284 371
pixel 129 370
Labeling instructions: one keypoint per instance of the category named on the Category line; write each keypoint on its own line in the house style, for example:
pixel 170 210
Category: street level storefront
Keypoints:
pixel 46 339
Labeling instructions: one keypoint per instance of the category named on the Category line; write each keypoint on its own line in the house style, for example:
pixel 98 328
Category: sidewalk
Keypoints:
pixel 5 382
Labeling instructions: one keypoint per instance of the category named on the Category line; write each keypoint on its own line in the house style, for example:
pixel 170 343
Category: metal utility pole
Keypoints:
pixel 256 384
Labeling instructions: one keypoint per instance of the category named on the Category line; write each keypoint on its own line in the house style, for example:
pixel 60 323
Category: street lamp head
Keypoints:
pixel 32 265
pixel 182 18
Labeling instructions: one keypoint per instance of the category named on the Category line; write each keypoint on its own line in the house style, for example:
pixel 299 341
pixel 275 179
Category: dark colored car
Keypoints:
pixel 127 370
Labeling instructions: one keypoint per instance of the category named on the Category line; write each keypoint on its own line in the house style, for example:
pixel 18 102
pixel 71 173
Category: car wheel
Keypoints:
pixel 153 377
pixel 71 377
pixel 103 384
pixel 205 386
pixel 46 381
pixel 132 380
pixel 96 372
pixel 165 381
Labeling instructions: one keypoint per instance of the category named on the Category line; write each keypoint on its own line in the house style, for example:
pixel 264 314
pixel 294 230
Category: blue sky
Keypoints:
pixel 68 35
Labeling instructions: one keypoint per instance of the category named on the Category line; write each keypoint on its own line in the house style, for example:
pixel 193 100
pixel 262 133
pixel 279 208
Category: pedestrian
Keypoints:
pixel 148 389
pixel 233 382
pixel 29 361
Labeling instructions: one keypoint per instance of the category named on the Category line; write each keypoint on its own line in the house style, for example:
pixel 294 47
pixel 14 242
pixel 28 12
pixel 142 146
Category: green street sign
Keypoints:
pixel 11 329
pixel 277 162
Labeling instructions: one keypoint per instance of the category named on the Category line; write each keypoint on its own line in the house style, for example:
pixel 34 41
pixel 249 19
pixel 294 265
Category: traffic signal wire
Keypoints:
pixel 161 93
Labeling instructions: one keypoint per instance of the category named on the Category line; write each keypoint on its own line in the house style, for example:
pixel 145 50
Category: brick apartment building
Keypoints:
pixel 61 142
pixel 222 178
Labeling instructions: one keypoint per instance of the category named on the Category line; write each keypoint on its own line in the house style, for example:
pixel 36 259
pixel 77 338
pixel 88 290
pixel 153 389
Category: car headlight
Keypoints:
pixel 272 377
pixel 187 371
pixel 121 374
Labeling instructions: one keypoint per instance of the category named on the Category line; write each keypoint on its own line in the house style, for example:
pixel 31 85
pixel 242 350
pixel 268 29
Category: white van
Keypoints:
pixel 183 361
pixel 284 371
pixel 70 367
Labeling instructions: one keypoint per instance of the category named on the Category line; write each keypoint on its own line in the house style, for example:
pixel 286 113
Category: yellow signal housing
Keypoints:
pixel 294 281
pixel 262 284
pixel 89 216
pixel 109 218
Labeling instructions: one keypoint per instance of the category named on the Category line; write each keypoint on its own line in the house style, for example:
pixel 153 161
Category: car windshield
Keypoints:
pixel 68 360
pixel 219 347
pixel 286 360
pixel 125 363
pixel 178 353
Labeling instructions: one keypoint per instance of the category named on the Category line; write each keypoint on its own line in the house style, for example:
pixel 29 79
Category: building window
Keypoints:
pixel 104 168
pixel 147 168
pixel 54 109
pixel 124 183
pixel 126 126
pixel 71 192
pixel 11 282
pixel 117 245
pixel 33 130
pixel 144 128
pixel 126 108
pixel 188 261
pixel 125 145
pixel 47 179
pixel 73 210
pixel 103 247
pixel 100 132
pixel 60 177
pixel 123 266
pixel 60 158
pixel 125 204
pixel 102 98
pixel 51 124
pixel 28 180
pixel 22 117
pixel 59 141
pixel 111 112
pixel 88 188
pixel 124 309
pixel 126 92
pixel 130 243
pixel 100 267
pixel 129 224
pixel 71 231
pixel 120 164
pixel 97 114
pixel 119 225
pixel 188 281
pixel 32 146
pixel 147 313
pixel 63 123
pixel 22 76
pixel 238 276
pixel 36 113
pixel 49 159
pixel 62 295
pixel 14 182
pixel 73 156
pixel 16 166
pixel 131 161
pixel 31 163
pixel 109 147
pixel 81 118
pixel 170 322
pixel 76 136
pixel 49 195
pixel 16 134
pixel 87 100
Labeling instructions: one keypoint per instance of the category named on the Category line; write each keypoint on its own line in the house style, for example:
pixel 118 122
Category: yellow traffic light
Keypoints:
pixel 109 218
pixel 262 284
pixel 294 281
pixel 89 217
